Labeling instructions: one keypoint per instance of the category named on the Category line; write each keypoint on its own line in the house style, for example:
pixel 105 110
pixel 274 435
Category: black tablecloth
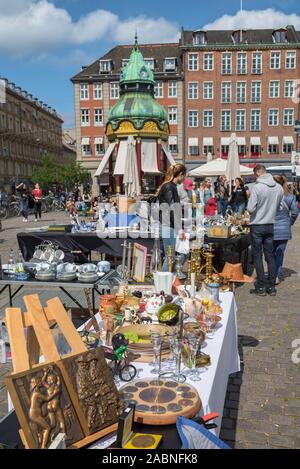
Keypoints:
pixel 70 242
pixel 227 250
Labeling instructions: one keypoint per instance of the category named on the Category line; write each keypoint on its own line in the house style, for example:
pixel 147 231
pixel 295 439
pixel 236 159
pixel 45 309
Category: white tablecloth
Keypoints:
pixel 223 350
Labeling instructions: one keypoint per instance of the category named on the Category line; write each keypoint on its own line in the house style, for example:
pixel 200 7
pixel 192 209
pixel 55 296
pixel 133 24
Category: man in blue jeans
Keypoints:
pixel 264 202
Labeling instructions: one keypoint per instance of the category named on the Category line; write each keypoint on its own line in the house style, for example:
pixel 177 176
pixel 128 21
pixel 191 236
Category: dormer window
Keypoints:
pixel 279 36
pixel 150 63
pixel 199 38
pixel 124 62
pixel 105 66
pixel 170 64
pixel 238 36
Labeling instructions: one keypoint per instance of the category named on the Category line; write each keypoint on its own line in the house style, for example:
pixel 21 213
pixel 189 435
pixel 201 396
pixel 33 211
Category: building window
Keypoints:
pixel 97 90
pixel 279 36
pixel 275 60
pixel 114 91
pixel 225 120
pixel 194 150
pixel 159 89
pixel 241 91
pixel 242 150
pixel 255 119
pixel 208 118
pixel 98 117
pixel 85 117
pixel 273 148
pixel 240 119
pixel 290 59
pixel 193 118
pixel 99 147
pixel 287 148
pixel 256 91
pixel 241 64
pixel 172 115
pixel 193 90
pixel 193 62
pixel 257 62
pixel 173 148
pixel 172 89
pixel 208 149
pixel 224 150
pixel 273 119
pixel 150 63
pixel 208 90
pixel 83 91
pixel 208 61
pixel 86 150
pixel 274 89
pixel 170 64
pixel 288 117
pixel 289 88
pixel 105 66
pixel 226 92
pixel 125 62
pixel 226 63
pixel 199 38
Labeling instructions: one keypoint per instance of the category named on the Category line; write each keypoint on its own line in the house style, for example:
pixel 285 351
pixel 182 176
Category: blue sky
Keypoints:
pixel 44 42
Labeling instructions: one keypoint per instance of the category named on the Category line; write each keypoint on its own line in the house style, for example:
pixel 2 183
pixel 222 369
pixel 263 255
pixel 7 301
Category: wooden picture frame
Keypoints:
pixel 139 262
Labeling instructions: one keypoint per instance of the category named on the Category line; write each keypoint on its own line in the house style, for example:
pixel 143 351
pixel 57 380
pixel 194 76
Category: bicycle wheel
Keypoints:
pixel 127 373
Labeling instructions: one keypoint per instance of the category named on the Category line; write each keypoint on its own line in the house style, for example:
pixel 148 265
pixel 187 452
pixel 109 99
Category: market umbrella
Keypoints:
pixel 233 163
pixel 217 167
pixel 131 176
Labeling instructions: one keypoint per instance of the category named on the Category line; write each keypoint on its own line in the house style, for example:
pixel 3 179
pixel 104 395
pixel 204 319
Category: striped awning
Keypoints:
pixel 98 140
pixel 193 141
pixel 85 141
pixel 273 140
pixel 288 140
pixel 225 141
pixel 208 141
pixel 241 141
pixel 255 141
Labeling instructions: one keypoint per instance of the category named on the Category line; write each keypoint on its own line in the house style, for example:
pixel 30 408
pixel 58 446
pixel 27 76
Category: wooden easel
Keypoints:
pixel 26 349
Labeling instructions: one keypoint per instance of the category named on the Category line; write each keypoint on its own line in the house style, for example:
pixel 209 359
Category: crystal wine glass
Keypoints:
pixel 177 350
pixel 194 342
pixel 156 340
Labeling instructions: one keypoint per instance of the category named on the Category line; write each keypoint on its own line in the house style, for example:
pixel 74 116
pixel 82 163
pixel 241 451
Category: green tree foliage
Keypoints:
pixel 50 173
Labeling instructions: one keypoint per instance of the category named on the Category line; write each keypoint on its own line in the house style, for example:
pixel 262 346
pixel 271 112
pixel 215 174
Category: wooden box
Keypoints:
pixel 222 231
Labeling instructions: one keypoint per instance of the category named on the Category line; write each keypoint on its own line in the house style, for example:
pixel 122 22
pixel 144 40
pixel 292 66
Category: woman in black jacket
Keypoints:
pixel 239 198
pixel 170 209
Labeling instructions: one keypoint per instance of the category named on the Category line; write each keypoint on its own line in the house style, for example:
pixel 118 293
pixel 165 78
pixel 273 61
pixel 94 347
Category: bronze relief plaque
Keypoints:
pixel 94 387
pixel 43 406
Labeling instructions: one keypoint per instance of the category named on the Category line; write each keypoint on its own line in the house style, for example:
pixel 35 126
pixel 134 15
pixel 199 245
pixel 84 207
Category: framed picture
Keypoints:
pixel 139 262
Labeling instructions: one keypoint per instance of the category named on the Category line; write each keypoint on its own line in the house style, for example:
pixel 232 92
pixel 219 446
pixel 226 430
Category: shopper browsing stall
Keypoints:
pixel 170 209
pixel 37 197
pixel 24 197
pixel 265 200
pixel 239 197
pixel 284 220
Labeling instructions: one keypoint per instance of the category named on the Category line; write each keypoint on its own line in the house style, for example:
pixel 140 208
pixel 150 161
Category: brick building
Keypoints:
pixel 29 129
pixel 212 83
pixel 242 82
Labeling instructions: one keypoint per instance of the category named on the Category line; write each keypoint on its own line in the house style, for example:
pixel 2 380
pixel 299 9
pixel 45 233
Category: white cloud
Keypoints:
pixel 32 26
pixel 255 19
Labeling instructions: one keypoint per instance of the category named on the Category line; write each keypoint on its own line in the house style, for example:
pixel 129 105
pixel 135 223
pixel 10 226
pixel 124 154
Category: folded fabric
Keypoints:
pixel 183 246
pixel 195 436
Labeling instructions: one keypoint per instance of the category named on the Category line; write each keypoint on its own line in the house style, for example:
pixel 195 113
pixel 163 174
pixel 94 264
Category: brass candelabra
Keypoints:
pixel 208 266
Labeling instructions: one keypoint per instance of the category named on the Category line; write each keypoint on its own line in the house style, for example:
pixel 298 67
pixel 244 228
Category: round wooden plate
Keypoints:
pixel 160 402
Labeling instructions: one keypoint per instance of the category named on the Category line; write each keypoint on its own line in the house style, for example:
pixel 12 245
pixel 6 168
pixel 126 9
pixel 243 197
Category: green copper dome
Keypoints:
pixel 137 103
pixel 136 70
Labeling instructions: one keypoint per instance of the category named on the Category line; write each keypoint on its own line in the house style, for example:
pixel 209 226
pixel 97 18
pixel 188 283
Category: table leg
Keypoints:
pixel 10 297
pixel 17 291
pixel 72 298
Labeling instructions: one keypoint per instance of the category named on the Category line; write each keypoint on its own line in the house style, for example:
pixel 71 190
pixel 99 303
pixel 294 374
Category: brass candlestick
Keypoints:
pixel 189 272
pixel 170 259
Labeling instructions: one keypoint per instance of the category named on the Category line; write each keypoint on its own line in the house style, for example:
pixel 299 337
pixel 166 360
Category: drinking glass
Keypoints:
pixel 194 342
pixel 156 340
pixel 209 320
pixel 177 350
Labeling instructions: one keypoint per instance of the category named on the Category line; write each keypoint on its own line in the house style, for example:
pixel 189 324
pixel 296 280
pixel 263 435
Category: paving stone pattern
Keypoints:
pixel 262 407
